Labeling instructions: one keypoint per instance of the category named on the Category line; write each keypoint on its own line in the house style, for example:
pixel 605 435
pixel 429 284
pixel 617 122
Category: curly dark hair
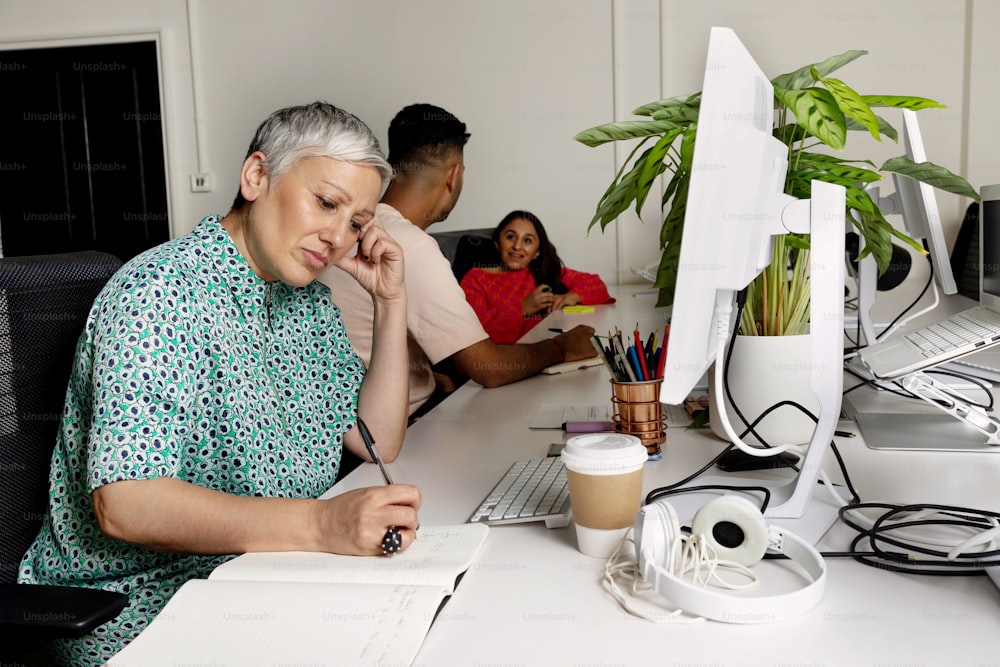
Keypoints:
pixel 547 267
pixel 421 134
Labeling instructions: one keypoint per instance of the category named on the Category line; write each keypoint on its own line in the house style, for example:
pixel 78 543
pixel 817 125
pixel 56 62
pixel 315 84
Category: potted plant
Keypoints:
pixel 814 112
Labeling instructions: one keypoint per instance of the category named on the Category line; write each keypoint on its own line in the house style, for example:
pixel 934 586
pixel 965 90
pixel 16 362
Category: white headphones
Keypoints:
pixel 735 529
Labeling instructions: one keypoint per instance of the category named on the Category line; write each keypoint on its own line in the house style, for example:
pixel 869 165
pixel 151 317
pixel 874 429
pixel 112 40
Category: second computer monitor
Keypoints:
pixel 919 208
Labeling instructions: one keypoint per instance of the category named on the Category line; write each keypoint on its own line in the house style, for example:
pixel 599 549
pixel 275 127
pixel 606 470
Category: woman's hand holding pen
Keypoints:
pixel 355 522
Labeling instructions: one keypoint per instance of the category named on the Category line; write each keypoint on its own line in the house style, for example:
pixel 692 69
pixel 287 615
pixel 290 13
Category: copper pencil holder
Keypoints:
pixel 638 412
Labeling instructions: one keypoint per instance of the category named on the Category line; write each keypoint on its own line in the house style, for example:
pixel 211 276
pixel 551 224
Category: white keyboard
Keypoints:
pixel 531 490
pixel 947 335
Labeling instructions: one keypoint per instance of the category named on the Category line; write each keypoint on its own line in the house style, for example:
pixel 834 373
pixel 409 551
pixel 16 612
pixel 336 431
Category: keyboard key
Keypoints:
pixel 531 490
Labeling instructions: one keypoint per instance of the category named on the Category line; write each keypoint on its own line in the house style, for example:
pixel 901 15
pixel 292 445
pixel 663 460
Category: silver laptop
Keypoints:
pixel 963 333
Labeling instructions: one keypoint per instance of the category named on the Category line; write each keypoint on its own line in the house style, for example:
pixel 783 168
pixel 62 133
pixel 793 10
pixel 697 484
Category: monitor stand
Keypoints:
pixel 803 505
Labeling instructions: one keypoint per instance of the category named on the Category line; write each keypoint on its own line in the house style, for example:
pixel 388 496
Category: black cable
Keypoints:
pixel 673 490
pixel 968 378
pixel 930 279
pixel 871 381
pixel 701 471
pixel 894 518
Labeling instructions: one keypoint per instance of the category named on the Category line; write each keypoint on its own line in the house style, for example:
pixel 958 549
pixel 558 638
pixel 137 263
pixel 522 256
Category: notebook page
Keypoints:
pixel 438 556
pixel 243 623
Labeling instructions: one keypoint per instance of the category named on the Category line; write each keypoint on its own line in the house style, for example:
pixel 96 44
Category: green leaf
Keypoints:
pixel 859 200
pixel 652 166
pixel 666 273
pixel 618 200
pixel 838 167
pixel 678 178
pixel 851 103
pixel 673 222
pixel 884 128
pixel 789 133
pixel 932 174
pixel 687 146
pixel 682 115
pixel 618 131
pixel 816 110
pixel 803 77
pixel 611 188
pixel 819 175
pixel 878 237
pixel 669 103
pixel 902 102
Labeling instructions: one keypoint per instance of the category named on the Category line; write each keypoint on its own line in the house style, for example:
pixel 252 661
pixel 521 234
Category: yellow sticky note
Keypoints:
pixel 578 309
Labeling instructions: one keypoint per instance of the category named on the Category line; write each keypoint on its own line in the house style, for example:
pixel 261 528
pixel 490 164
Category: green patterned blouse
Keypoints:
pixel 190 367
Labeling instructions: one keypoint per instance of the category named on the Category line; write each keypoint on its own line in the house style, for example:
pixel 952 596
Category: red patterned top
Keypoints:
pixel 496 298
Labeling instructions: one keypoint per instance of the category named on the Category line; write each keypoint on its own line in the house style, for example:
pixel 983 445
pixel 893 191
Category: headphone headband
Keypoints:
pixel 657 535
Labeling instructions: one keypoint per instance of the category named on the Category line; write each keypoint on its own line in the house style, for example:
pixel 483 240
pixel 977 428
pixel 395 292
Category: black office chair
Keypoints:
pixel 44 302
pixel 468 248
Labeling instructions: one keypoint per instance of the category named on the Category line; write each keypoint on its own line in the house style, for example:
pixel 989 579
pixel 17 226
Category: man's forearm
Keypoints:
pixel 494 365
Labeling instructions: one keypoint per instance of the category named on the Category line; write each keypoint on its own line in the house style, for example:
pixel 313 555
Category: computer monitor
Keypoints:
pixel 919 208
pixel 989 247
pixel 735 206
pixel 734 203
pixel 917 204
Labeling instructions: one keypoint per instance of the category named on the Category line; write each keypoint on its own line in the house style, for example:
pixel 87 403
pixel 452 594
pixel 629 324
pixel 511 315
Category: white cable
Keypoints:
pixel 795 450
pixel 622 566
pixel 698 563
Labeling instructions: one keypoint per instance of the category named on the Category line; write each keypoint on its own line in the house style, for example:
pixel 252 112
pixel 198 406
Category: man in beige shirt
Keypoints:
pixel 426 145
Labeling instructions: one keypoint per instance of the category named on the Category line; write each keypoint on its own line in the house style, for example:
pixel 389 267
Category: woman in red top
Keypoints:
pixel 530 282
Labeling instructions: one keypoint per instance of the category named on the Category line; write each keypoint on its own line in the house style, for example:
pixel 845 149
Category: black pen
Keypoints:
pixel 366 435
pixel 557 330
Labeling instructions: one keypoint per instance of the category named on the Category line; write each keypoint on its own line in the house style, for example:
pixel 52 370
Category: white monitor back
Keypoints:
pixel 734 205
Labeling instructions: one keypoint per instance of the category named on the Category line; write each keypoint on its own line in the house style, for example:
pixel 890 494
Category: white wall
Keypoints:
pixel 526 75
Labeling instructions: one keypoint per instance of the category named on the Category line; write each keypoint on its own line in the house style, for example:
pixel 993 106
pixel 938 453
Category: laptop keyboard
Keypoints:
pixel 957 331
pixel 531 490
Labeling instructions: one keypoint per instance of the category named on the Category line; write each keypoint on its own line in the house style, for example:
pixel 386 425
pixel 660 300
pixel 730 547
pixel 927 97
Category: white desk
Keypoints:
pixel 533 599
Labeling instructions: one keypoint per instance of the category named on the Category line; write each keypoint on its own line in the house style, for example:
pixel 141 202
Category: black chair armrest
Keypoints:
pixel 41 612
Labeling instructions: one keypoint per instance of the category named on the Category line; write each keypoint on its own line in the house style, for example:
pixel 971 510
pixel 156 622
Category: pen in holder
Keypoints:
pixel 637 411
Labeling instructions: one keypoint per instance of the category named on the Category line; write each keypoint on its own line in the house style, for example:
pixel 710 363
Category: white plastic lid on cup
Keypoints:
pixel 604 454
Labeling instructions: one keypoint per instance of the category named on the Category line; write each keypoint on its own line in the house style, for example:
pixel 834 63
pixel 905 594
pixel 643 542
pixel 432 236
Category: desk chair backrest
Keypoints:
pixel 468 248
pixel 44 303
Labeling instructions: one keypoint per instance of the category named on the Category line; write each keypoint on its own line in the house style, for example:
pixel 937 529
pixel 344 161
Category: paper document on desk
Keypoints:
pixel 310 608
pixel 554 415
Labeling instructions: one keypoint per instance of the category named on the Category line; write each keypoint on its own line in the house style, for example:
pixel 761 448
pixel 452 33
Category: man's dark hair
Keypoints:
pixel 423 133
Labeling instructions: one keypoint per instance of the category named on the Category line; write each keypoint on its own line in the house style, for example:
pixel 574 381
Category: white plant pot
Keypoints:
pixel 763 371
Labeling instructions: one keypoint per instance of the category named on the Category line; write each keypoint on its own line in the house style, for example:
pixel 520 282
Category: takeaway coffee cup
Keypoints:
pixel 604 474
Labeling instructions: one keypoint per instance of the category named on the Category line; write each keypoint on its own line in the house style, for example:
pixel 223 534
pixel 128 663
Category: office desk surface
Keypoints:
pixel 533 599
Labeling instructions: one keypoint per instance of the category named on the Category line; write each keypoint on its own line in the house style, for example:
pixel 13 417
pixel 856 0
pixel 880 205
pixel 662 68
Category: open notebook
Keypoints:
pixel 310 608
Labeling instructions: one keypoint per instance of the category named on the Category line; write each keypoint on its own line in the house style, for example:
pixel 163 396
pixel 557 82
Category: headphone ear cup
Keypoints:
pixel 734 527
pixel 657 536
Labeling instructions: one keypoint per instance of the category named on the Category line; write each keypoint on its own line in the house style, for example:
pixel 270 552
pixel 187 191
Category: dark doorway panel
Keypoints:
pixel 81 151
